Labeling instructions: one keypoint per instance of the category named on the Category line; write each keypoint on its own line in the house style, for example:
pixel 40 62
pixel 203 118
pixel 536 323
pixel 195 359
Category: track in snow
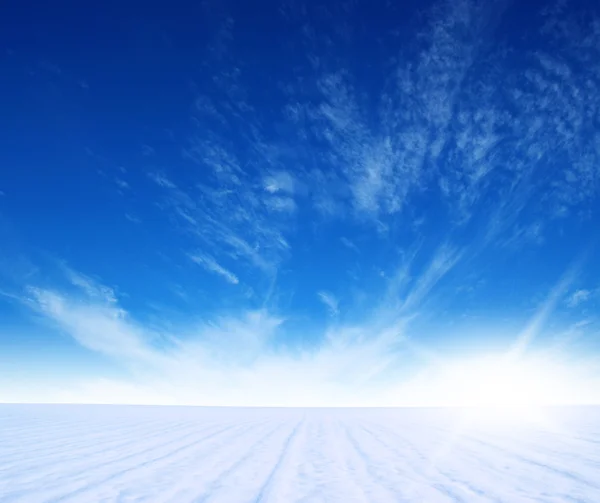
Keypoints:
pixel 67 453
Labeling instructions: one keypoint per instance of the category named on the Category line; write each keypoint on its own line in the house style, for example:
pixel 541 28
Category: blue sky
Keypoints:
pixel 297 203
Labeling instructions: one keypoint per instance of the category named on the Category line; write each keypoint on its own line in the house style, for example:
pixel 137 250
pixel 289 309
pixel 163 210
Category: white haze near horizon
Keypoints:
pixel 371 364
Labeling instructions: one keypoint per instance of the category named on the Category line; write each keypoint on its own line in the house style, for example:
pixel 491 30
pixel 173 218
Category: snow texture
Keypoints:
pixel 80 453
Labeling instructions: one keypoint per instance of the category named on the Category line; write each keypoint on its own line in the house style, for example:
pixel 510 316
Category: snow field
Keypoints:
pixel 81 453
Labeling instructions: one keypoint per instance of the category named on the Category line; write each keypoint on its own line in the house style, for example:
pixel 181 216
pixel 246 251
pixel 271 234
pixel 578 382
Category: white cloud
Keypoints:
pixel 244 359
pixel 96 326
pixel 93 289
pixel 386 160
pixel 445 258
pixel 122 184
pixel 132 218
pixel 578 297
pixel 487 139
pixel 349 244
pixel 231 360
pixel 162 180
pixel 330 301
pixel 185 215
pixel 280 181
pixel 535 326
pixel 484 132
pixel 210 264
pixel 485 144
pixel 280 204
pixel 229 213
pixel 147 150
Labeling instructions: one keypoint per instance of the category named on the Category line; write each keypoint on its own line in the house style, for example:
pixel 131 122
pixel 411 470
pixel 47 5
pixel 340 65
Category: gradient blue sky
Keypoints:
pixel 294 202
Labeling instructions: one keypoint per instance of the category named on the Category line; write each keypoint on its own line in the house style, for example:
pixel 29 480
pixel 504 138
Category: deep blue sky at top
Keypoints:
pixel 322 160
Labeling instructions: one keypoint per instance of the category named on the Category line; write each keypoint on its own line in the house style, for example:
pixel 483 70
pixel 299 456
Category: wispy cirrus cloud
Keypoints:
pixel 578 297
pixel 196 364
pixel 478 132
pixel 481 139
pixel 354 364
pixel 535 326
pixel 280 181
pixel 211 265
pixel 349 244
pixel 330 301
pixel 229 218
pixel 443 261
pixel 93 324
pixel 92 288
pixel 386 159
pixel 431 148
pixel 162 180
pixel 280 204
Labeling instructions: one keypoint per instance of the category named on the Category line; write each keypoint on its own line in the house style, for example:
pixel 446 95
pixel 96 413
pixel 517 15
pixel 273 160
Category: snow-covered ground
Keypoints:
pixel 52 453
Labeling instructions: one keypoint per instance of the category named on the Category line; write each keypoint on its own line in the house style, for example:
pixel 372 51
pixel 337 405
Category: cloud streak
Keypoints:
pixel 578 297
pixel 198 366
pixel 355 365
pixel 481 138
pixel 460 142
pixel 211 265
pixel 330 302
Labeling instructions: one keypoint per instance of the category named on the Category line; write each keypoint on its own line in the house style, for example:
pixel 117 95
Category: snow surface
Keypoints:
pixel 80 453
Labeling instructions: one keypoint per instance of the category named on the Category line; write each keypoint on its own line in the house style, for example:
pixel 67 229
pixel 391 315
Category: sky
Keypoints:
pixel 300 203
